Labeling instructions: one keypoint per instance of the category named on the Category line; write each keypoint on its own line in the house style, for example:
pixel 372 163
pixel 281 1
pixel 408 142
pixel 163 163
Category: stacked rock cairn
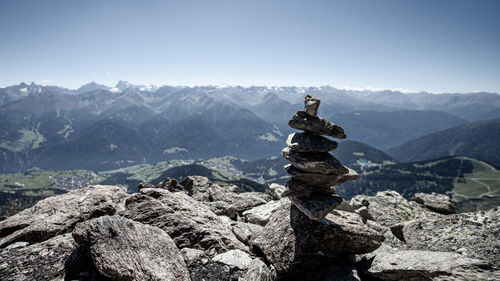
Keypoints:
pixel 314 170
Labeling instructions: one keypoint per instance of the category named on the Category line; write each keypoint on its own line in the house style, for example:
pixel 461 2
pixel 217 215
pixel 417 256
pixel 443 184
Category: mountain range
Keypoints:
pixel 99 128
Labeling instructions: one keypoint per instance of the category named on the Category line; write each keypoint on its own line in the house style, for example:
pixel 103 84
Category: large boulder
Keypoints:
pixel 201 189
pixel 40 261
pixel 389 208
pixel 230 265
pixel 59 214
pixel 190 223
pixel 260 215
pixel 436 202
pixel 473 234
pixel 427 265
pixel 246 231
pixel 122 249
pixel 292 241
pixel 258 271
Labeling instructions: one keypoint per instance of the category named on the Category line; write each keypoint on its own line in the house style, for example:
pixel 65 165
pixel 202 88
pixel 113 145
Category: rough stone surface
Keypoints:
pixel 122 249
pixel 291 240
pixel 316 179
pixel 234 258
pixel 246 231
pixel 426 265
pixel 191 255
pixel 314 162
pixel 275 190
pixel 40 261
pixel 258 271
pixel 170 184
pixel 189 222
pixel 436 202
pixel 389 208
pixel 260 215
pixel 303 121
pixel 311 105
pixel 296 187
pixel 203 268
pixel 307 142
pixel 474 234
pixel 316 207
pixel 144 185
pixel 222 208
pixel 59 214
pixel 201 189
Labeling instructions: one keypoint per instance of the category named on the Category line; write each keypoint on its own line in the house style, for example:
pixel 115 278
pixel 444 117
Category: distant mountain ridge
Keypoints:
pixel 39 124
pixel 479 140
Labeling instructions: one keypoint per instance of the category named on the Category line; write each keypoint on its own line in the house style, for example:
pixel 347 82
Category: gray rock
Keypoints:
pixel 427 265
pixel 190 223
pixel 317 179
pixel 311 105
pixel 197 187
pixel 201 189
pixel 170 184
pixel 476 234
pixel 260 215
pixel 345 206
pixel 296 187
pixel 314 162
pixel 258 271
pixel 303 121
pixel 246 231
pixel 40 261
pixel 222 208
pixel 144 185
pixel 234 258
pixel 291 241
pixel 242 201
pixel 191 255
pixel 275 190
pixel 203 268
pixel 316 207
pixel 436 202
pixel 307 142
pixel 122 249
pixel 389 208
pixel 59 214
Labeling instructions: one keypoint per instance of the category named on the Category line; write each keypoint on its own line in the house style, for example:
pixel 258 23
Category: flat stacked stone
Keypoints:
pixel 314 170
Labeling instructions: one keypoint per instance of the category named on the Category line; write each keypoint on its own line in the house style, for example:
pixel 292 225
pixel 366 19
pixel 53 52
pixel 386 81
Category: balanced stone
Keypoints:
pixel 299 188
pixel 307 142
pixel 314 162
pixel 318 206
pixel 311 105
pixel 316 179
pixel 303 121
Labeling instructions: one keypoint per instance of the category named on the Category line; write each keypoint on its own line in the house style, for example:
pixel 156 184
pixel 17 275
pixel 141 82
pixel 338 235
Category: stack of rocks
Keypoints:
pixel 314 170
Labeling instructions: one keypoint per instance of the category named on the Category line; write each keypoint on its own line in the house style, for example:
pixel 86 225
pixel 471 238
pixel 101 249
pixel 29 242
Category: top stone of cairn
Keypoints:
pixel 311 105
pixel 308 121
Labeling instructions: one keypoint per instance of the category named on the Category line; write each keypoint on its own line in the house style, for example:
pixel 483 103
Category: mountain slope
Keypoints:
pixel 389 129
pixel 105 145
pixel 479 140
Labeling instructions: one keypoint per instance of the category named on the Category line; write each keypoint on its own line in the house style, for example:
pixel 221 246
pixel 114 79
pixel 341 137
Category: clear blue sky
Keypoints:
pixel 439 46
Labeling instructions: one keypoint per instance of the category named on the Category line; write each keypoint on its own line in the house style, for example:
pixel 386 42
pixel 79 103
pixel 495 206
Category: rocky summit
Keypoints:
pixel 199 230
